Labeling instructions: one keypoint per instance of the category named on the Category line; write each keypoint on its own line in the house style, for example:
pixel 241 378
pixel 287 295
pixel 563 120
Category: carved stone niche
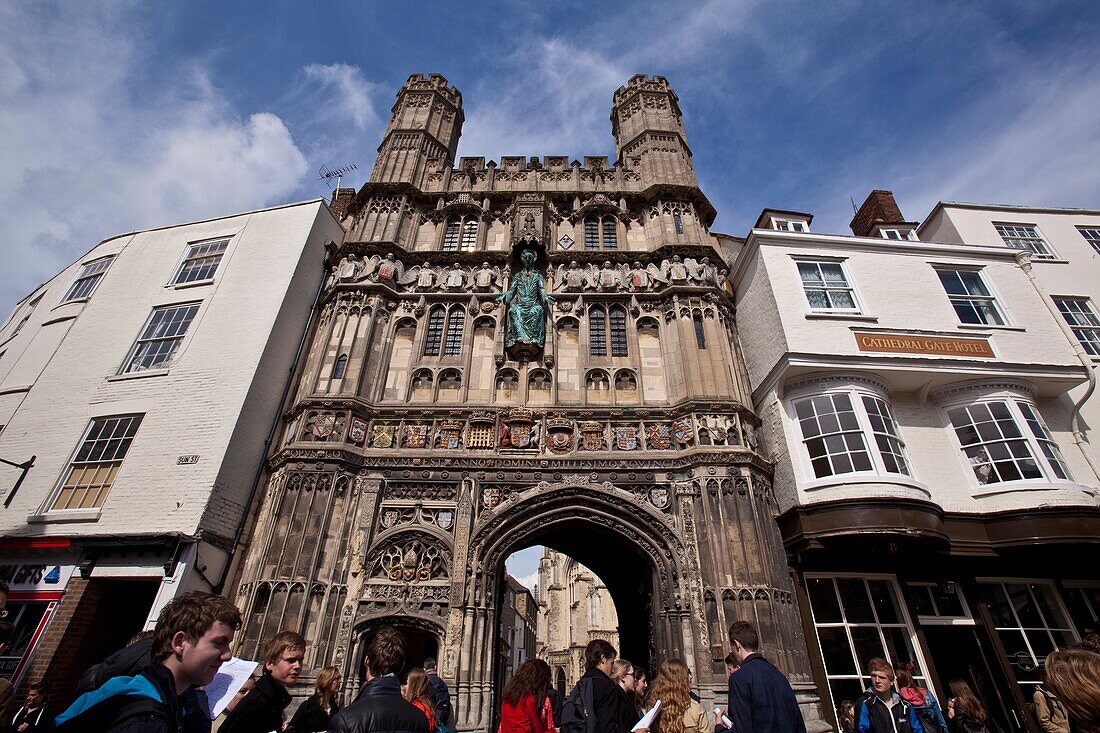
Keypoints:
pixel 410 558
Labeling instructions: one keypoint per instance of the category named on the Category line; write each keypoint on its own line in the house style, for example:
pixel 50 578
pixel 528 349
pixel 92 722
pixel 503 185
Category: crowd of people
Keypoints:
pixel 157 684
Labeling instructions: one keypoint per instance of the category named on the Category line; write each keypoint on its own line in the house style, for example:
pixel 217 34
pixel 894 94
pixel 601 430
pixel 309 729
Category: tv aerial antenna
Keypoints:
pixel 326 175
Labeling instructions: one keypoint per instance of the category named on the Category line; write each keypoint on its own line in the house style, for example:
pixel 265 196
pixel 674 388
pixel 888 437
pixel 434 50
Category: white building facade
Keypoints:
pixel 934 500
pixel 144 379
pixel 1065 261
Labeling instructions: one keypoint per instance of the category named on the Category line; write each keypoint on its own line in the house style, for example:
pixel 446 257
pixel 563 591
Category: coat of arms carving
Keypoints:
pixel 658 436
pixel 660 496
pixel 522 429
pixel 383 436
pixel 683 433
pixel 626 437
pixel 450 434
pixel 559 434
pixel 412 562
pixel 416 436
pixel 592 436
pixel 357 433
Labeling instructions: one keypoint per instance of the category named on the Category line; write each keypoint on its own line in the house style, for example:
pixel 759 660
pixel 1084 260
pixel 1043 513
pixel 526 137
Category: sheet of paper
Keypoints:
pixel 231 677
pixel 722 718
pixel 647 719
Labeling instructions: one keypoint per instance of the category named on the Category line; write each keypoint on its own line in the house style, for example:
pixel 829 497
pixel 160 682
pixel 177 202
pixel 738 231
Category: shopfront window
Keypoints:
pixel 27 617
pixel 856 620
pixel 1030 622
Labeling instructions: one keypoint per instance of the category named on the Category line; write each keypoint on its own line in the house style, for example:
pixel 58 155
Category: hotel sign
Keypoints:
pixel 892 343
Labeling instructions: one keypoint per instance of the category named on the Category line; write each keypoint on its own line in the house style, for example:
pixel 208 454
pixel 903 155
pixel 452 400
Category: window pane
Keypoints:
pixel 836 651
pixel 868 644
pixel 854 598
pixel 884 602
pixel 922 600
pixel 899 650
pixel 823 600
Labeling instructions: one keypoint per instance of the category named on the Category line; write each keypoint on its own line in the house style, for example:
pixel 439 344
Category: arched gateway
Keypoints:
pixel 529 353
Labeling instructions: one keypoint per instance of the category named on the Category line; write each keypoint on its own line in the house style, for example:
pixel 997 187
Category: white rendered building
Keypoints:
pixel 934 501
pixel 144 379
pixel 1065 261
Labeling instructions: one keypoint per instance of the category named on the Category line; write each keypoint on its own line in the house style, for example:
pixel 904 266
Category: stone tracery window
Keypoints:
pixel 597 380
pixel 435 330
pixel 460 233
pixel 340 367
pixel 600 232
pixel 598 342
pixel 456 325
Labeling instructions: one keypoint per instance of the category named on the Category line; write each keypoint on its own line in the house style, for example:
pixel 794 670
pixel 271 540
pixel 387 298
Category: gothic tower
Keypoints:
pixel 516 353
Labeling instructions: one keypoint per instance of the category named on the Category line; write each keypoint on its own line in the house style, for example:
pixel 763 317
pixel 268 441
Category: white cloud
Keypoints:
pixel 91 148
pixel 529 581
pixel 352 92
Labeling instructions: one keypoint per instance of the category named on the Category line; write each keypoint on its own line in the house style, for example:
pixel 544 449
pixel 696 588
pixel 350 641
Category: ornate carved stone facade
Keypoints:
pixel 419 452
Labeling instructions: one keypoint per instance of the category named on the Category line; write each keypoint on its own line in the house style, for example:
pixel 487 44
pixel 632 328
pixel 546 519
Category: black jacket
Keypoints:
pixel 613 713
pixel 761 699
pixel 311 717
pixel 875 716
pixel 380 708
pixel 441 699
pixel 38 721
pixel 105 712
pixel 260 711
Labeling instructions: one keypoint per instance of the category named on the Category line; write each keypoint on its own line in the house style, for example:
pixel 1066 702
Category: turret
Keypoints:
pixel 649 131
pixel 425 125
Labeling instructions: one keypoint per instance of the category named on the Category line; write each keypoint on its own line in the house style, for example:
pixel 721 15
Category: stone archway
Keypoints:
pixel 567 516
pixel 423 638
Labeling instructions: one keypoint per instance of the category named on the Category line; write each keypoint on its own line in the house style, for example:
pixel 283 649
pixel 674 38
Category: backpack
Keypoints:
pixel 441 699
pixel 126 662
pixel 928 720
pixel 578 712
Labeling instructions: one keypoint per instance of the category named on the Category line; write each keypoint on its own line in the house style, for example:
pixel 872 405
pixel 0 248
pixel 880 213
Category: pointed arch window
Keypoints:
pixel 700 335
pixel 460 234
pixel 456 324
pixel 597 331
pixel 340 367
pixel 435 331
pixel 600 232
pixel 617 315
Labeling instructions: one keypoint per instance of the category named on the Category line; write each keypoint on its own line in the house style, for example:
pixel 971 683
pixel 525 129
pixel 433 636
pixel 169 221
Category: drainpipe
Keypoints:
pixel 220 585
pixel 1023 259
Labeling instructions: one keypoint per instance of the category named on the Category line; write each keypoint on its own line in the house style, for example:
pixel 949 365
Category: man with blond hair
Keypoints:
pixel 190 643
pixel 881 710
pixel 261 710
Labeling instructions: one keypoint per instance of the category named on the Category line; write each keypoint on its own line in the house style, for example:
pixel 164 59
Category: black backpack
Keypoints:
pixel 126 662
pixel 577 712
pixel 441 699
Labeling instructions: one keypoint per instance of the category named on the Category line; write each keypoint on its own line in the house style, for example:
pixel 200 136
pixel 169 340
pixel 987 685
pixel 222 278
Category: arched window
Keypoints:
pixel 678 222
pixel 340 367
pixel 610 236
pixel 460 234
pixel 435 331
pixel 600 230
pixel 450 234
pixel 591 233
pixel 469 235
pixel 597 331
pixel 456 323
pixel 700 336
pixel 598 318
pixel 618 330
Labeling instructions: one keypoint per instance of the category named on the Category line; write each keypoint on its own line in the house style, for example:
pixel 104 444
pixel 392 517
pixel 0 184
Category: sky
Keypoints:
pixel 116 116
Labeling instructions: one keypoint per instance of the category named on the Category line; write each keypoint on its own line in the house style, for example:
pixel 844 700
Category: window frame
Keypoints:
pixel 1090 345
pixel 128 365
pixel 50 504
pixel 1035 243
pixel 462 236
pixel 1011 397
pixel 596 229
pixel 454 331
pixel 905 623
pixel 992 295
pixel 1094 240
pixel 188 255
pixel 849 285
pixel 855 390
pixel 81 276
pixel 789 225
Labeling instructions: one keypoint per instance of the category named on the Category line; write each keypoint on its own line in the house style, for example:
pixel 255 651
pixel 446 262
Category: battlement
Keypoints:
pixel 550 164
pixel 643 83
pixel 434 83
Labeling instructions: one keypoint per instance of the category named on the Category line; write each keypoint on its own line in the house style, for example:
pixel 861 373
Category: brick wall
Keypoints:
pixel 879 207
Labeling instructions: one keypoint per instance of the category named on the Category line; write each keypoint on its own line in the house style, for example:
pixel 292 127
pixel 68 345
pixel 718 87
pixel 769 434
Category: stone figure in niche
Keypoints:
pixel 608 278
pixel 389 270
pixel 527 304
pixel 696 272
pixel 455 278
pixel 571 278
pixel 485 278
pixel 710 272
pixel 675 270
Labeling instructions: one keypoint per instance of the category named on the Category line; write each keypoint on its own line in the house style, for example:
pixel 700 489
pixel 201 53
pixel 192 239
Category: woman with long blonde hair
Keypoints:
pixel 679 713
pixel 314 714
pixel 416 692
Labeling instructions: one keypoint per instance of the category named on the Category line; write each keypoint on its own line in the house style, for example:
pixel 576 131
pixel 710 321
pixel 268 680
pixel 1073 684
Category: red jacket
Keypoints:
pixel 522 718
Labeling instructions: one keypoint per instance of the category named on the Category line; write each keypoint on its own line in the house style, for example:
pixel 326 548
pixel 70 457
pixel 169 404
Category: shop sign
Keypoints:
pixel 36 576
pixel 972 348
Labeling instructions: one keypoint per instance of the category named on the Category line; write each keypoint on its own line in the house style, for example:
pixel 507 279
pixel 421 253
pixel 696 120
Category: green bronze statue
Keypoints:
pixel 528 305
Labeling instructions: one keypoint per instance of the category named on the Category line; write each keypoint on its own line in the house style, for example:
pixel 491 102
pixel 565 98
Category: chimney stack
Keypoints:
pixel 341 200
pixel 879 208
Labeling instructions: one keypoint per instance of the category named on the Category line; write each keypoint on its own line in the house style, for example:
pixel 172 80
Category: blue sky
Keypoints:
pixel 117 116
